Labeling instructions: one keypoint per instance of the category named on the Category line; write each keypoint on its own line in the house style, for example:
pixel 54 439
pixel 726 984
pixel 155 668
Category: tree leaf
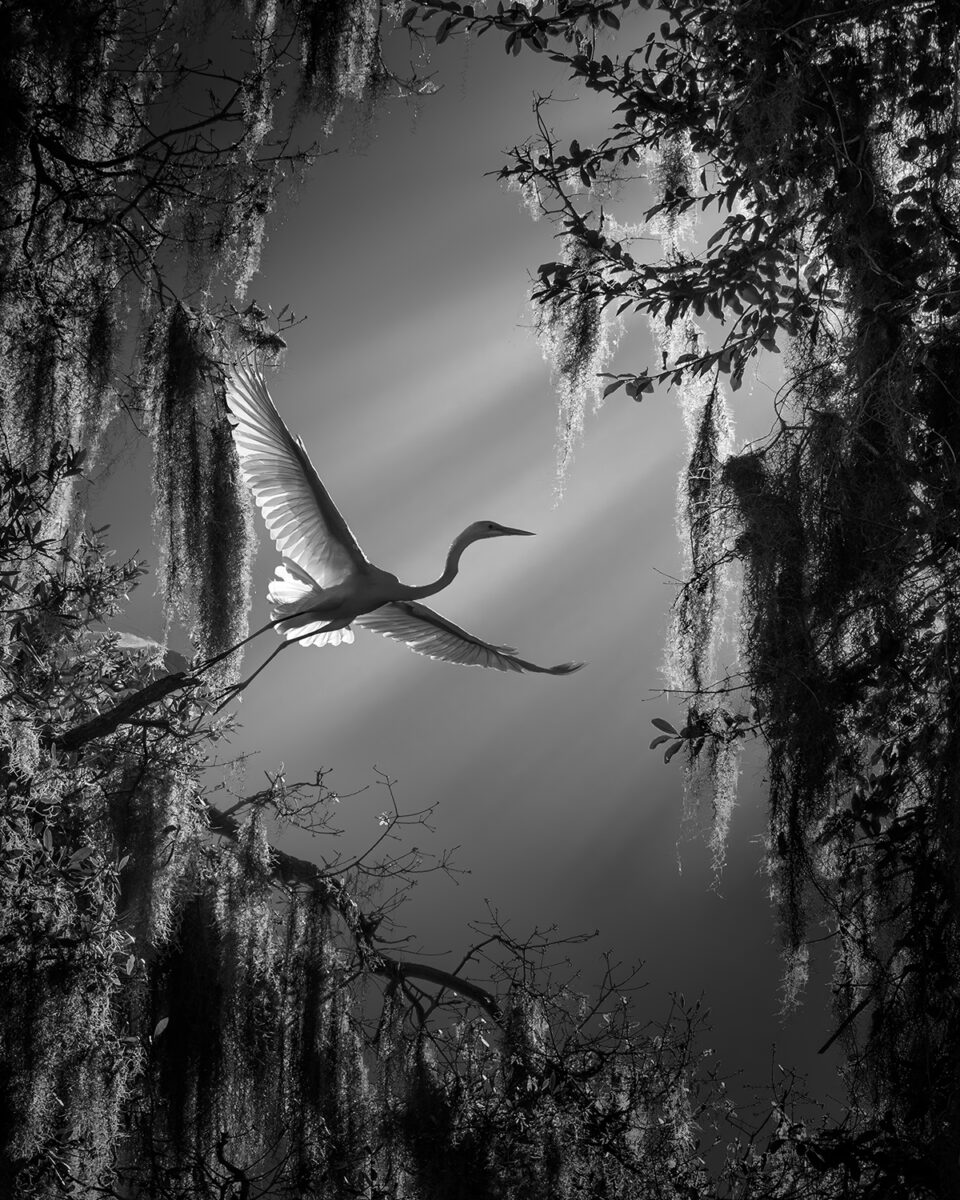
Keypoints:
pixel 660 723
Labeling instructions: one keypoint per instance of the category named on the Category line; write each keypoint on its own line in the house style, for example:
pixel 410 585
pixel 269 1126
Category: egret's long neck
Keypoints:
pixel 450 570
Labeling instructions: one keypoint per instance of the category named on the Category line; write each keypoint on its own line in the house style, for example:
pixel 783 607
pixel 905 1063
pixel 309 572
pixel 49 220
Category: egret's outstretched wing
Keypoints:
pixel 428 633
pixel 302 519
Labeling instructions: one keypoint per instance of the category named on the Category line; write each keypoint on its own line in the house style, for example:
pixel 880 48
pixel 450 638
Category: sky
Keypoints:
pixel 420 392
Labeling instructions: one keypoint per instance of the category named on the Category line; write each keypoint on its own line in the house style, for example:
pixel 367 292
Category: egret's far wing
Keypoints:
pixel 428 633
pixel 302 519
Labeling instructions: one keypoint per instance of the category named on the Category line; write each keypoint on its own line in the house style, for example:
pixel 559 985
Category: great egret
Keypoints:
pixel 325 583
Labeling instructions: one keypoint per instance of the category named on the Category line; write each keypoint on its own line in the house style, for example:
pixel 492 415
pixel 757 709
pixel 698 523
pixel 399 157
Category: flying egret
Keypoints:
pixel 325 584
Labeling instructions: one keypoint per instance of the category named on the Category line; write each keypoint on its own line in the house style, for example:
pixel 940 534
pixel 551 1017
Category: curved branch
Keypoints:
pixel 289 869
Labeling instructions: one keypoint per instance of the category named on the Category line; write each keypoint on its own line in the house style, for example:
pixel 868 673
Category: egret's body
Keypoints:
pixel 326 584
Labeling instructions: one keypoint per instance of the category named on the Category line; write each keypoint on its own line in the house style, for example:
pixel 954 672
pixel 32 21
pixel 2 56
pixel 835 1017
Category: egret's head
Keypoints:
pixel 489 529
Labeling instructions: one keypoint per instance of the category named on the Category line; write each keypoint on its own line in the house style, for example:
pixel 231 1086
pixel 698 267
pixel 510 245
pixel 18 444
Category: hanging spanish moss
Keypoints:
pixel 222 594
pixel 192 1065
pixel 200 499
pixel 575 339
pixel 338 53
pixel 673 175
pixel 176 373
pixel 822 152
pixel 138 185
pixel 699 626
pixel 160 823
pixel 66 1073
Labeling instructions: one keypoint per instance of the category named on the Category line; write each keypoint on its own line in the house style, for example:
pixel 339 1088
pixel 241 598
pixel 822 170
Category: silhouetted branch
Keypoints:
pixel 105 723
pixel 288 869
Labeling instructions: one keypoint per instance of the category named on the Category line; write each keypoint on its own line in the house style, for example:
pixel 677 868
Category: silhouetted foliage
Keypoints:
pixel 818 143
pixel 189 1012
pixel 143 149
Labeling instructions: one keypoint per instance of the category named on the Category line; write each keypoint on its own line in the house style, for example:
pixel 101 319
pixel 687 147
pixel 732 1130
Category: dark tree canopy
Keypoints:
pixel 190 1013
pixel 818 146
pixel 144 146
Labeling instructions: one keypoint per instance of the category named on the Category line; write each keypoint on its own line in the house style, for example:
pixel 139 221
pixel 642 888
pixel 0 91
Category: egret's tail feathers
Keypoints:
pixel 294 595
pixel 336 637
pixel 292 585
pixel 303 627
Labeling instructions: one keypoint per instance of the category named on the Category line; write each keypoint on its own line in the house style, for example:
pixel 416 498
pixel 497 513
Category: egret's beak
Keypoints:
pixel 520 532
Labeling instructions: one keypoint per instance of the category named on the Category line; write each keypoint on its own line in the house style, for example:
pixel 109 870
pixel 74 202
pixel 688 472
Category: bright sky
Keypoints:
pixel 421 395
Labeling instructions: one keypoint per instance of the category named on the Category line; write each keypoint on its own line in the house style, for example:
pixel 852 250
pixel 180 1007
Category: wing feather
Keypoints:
pixel 428 633
pixel 303 521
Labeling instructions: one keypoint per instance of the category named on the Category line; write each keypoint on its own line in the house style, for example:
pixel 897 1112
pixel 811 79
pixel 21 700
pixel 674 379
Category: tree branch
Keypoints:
pixel 104 723
pixel 289 869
